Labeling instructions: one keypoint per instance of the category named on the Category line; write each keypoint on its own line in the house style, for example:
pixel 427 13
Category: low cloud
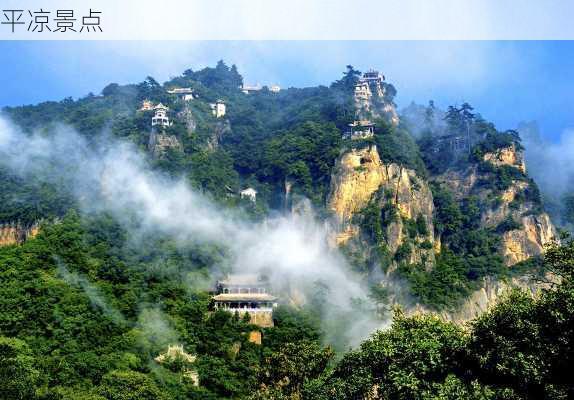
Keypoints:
pixel 112 176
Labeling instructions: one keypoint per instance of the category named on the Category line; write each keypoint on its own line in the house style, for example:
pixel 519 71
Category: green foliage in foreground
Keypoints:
pixel 522 349
pixel 73 327
pixel 83 313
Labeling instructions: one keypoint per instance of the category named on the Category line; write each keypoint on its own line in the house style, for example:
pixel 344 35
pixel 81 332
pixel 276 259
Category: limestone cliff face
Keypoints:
pixel 520 244
pixel 220 129
pixel 491 292
pixel 187 117
pixel 535 229
pixel 360 177
pixel 507 156
pixel 14 233
pixel 159 143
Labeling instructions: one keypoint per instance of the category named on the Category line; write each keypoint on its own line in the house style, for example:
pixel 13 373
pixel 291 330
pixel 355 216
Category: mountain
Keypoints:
pixel 119 211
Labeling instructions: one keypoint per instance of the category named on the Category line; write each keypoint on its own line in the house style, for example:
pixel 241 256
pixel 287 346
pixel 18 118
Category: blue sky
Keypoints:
pixel 507 82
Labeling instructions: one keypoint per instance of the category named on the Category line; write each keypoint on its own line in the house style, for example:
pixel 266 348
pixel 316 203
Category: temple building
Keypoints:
pixel 247 89
pixel 251 88
pixel 160 118
pixel 218 108
pixel 362 91
pixel 361 129
pixel 275 88
pixel 146 106
pixel 246 294
pixel 185 94
pixel 249 193
pixel 372 76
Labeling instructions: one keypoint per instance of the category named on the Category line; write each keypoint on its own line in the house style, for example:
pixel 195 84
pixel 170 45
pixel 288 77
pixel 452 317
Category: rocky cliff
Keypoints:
pixel 159 143
pixel 531 228
pixel 507 156
pixel 491 292
pixel 15 233
pixel 359 178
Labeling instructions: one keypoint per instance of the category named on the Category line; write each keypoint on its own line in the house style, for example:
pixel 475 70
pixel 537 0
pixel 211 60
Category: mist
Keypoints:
pixel 112 176
pixel 94 295
pixel 551 165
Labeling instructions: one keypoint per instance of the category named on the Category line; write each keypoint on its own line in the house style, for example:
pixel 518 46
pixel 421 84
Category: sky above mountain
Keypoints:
pixel 507 82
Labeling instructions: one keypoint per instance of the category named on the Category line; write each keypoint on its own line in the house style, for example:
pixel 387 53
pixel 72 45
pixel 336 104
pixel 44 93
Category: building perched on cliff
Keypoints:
pixel 361 129
pixel 175 354
pixel 160 118
pixel 369 96
pixel 362 92
pixel 247 89
pixel 218 109
pixel 274 88
pixel 373 76
pixel 246 294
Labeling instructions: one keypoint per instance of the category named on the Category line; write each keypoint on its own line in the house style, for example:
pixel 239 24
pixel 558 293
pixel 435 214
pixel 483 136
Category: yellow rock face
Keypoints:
pixel 16 234
pixel 358 175
pixel 507 156
pixel 536 232
pixel 8 236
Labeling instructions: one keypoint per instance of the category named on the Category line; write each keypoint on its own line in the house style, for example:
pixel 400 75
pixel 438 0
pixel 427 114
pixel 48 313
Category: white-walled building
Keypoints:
pixel 373 76
pixel 249 193
pixel 218 109
pixel 275 88
pixel 246 294
pixel 185 94
pixel 160 118
pixel 251 88
pixel 361 129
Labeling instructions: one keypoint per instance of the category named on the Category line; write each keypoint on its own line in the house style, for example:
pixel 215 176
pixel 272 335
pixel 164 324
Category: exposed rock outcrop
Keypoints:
pixel 533 226
pixel 491 291
pixel 507 156
pixel 520 244
pixel 360 177
pixel 187 117
pixel 490 294
pixel 16 233
pixel 220 129
pixel 159 143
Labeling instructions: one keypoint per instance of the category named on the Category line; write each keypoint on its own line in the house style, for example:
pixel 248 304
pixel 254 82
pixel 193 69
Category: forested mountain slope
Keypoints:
pixel 429 210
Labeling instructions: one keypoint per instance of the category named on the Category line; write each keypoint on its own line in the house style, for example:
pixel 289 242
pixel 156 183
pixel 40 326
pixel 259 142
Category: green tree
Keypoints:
pixel 129 385
pixel 19 376
pixel 288 369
